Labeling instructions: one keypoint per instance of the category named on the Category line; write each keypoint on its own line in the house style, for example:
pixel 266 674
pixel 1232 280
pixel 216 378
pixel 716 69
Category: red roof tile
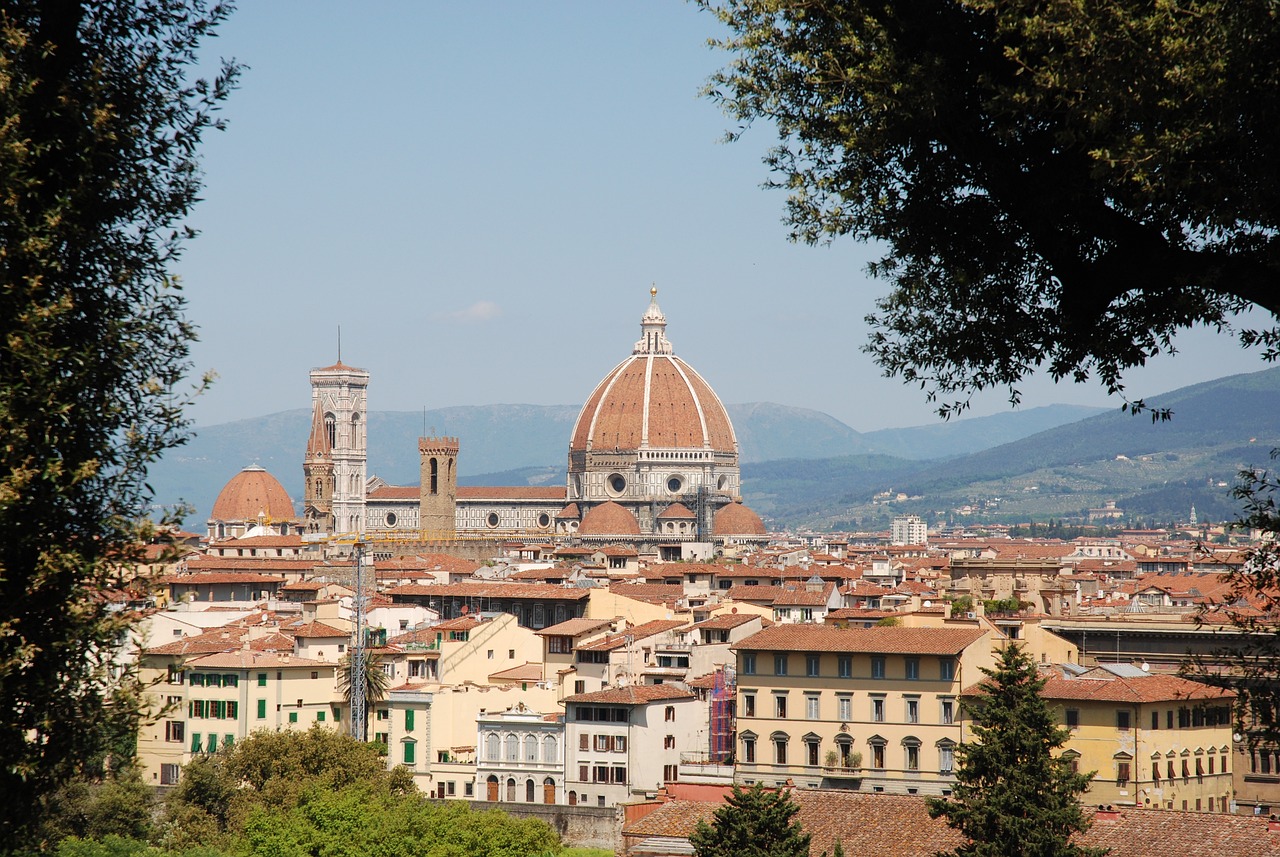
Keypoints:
pixel 824 638
pixel 634 694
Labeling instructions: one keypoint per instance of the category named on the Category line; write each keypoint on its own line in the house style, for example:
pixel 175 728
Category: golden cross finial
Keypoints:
pixel 653 290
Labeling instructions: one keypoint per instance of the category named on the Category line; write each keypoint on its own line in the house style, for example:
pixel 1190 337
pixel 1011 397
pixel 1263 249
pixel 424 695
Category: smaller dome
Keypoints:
pixel 677 511
pixel 609 519
pixel 250 493
pixel 737 520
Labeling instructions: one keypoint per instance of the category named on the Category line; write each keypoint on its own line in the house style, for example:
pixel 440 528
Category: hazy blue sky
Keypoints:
pixel 481 194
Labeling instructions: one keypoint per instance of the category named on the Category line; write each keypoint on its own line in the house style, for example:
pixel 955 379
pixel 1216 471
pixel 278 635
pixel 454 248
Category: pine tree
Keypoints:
pixel 753 823
pixel 1013 795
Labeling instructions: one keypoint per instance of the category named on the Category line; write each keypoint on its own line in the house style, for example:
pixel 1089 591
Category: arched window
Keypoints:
pixel 550 750
pixel 530 751
pixel 433 477
pixel 511 789
pixel 355 430
pixel 528 791
pixel 513 749
pixel 331 428
pixel 549 790
pixel 491 789
pixel 492 747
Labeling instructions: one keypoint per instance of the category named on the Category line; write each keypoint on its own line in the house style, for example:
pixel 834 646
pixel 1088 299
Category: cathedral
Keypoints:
pixel 653 464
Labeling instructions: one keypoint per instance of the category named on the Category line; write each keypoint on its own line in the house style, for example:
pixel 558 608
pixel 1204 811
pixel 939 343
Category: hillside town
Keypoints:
pixel 638 637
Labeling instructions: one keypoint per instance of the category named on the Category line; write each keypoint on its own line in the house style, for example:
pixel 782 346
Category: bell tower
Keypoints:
pixel 317 474
pixel 339 401
pixel 439 492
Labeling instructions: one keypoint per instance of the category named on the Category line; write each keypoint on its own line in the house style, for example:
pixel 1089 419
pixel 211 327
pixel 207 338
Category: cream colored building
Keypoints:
pixel 875 709
pixel 1154 741
pixel 206 701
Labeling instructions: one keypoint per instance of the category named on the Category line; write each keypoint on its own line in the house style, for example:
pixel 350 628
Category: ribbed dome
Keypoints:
pixel 609 519
pixel 676 511
pixel 653 400
pixel 737 520
pixel 251 492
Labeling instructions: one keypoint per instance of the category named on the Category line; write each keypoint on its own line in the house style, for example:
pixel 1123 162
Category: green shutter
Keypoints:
pixel 213 743
pixel 408 720
pixel 409 748
pixel 195 742
pixel 262 679
pixel 293 717
pixel 233 710
pixel 337 714
pixel 262 709
pixel 228 741
pixel 319 716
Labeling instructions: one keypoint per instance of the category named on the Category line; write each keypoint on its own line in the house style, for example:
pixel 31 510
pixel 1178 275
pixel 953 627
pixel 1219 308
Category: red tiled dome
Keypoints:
pixel 676 510
pixel 251 492
pixel 737 520
pixel 653 400
pixel 609 519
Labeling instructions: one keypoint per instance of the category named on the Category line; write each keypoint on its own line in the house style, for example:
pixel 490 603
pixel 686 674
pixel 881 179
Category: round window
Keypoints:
pixel 492 520
pixel 674 484
pixel 391 519
pixel 544 520
pixel 617 484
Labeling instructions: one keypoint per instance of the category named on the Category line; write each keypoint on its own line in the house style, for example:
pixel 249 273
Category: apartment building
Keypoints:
pixel 1153 741
pixel 621 742
pixel 873 709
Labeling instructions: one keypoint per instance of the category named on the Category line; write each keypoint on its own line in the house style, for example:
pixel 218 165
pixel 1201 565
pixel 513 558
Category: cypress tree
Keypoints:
pixel 1014 796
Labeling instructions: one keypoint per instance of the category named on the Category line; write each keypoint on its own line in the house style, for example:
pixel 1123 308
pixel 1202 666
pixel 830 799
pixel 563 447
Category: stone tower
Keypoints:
pixel 339 396
pixel 317 477
pixel 437 508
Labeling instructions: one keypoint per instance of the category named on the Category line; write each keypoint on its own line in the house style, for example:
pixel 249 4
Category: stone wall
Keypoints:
pixel 580 826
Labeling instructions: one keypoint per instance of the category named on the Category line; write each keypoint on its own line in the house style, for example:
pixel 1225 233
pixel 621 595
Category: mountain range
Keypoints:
pixel 804 467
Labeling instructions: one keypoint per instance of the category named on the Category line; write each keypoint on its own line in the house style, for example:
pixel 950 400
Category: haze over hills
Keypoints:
pixel 803 467
pixel 527 444
pixel 1153 470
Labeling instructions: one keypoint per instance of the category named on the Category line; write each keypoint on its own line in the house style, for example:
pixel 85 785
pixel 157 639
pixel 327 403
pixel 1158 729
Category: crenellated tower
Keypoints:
pixel 439 491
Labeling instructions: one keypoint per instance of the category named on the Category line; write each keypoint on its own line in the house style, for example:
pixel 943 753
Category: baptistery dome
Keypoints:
pixel 653 432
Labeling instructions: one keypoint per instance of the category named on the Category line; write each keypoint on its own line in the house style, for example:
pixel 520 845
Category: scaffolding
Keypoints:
pixel 723 715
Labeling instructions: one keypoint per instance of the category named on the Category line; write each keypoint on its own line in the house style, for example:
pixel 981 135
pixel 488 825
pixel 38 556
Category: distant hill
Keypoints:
pixel 527 444
pixel 1155 471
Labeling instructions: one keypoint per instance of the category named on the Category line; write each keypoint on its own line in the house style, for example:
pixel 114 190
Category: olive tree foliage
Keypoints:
pixel 1058 185
pixel 99 126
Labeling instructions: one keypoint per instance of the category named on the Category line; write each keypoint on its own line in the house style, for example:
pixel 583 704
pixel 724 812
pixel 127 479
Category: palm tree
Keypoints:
pixel 376 683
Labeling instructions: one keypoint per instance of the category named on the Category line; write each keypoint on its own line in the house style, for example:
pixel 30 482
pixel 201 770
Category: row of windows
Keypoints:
pixel 1187 718
pixel 215 680
pixel 602 774
pixel 844 708
pixel 844 666
pixel 493 746
pixel 214 709
pixel 845 754
pixel 601 715
pixel 603 743
pixel 211 745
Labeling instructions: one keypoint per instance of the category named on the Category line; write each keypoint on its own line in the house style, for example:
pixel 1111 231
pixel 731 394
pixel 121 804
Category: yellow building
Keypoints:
pixel 1155 741
pixel 205 701
pixel 875 709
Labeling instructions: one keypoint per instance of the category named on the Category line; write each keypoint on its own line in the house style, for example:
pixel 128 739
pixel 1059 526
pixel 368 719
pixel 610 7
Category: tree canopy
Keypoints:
pixel 99 135
pixel 752 823
pixel 1059 185
pixel 1012 794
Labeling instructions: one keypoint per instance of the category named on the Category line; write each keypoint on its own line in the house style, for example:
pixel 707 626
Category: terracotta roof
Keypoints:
pixel 512 492
pixel 762 594
pixel 470 589
pixel 206 562
pixel 652 593
pixel 1152 688
pixel 318 630
pixel 530 671
pixel 633 694
pixel 574 627
pixel 215 640
pixel 206 578
pixel 725 621
pixel 677 511
pixel 396 492
pixel 864 822
pixel 461 623
pixel 240 659
pixel 637 632
pixel 251 492
pixel 303 586
pixel 273 642
pixel 609 519
pixel 737 520
pixel 824 638
pixel 796 597
pixel 570 512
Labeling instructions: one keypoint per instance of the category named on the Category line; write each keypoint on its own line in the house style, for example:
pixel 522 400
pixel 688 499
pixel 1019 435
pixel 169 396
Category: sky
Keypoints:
pixel 480 196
